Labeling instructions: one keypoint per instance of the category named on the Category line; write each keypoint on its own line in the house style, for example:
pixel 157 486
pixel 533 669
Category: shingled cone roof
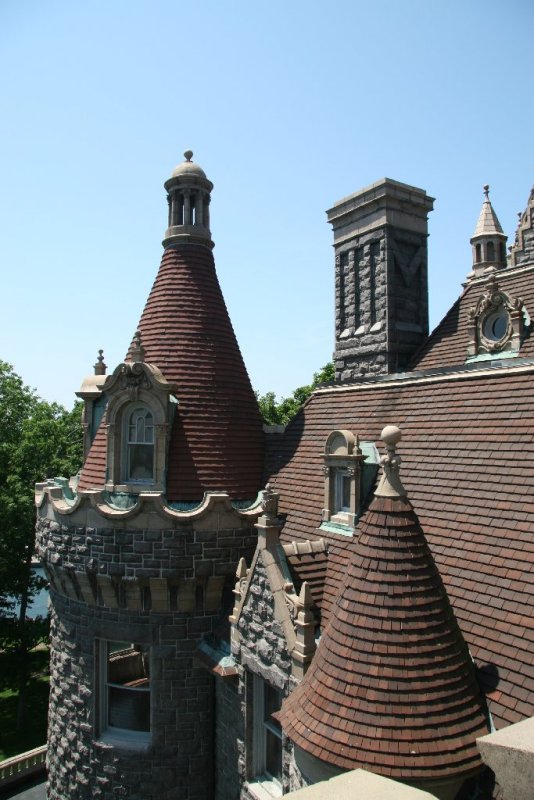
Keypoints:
pixel 217 438
pixel 392 687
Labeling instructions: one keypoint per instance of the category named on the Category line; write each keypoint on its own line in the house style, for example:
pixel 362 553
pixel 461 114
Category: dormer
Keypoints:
pixel 94 402
pixel 139 415
pixel 496 323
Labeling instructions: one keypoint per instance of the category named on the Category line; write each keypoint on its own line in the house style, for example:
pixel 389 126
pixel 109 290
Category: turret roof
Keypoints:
pixel 217 439
pixel 488 223
pixel 392 687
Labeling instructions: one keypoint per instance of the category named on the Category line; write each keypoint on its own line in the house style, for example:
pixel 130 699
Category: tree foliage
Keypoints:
pixel 38 440
pixel 281 412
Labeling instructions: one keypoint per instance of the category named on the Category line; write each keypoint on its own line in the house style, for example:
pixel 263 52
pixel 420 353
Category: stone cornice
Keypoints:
pixel 51 498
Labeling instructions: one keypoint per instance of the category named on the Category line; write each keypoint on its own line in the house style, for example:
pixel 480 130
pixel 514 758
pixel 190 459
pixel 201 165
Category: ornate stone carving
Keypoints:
pixel 495 324
pixel 133 378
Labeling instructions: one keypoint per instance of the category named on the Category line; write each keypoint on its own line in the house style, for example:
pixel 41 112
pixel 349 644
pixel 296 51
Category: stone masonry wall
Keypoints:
pixel 381 302
pixel 161 588
pixel 82 764
pixel 229 739
pixel 262 650
pixel 361 333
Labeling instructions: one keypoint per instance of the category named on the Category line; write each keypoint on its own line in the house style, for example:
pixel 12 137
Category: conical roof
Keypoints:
pixel 392 687
pixel 488 223
pixel 217 439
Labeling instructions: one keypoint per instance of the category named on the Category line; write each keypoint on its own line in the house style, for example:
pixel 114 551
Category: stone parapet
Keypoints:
pixel 509 752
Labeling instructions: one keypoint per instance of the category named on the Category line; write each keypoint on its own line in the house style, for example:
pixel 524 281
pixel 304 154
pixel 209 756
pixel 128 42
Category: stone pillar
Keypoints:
pixel 380 243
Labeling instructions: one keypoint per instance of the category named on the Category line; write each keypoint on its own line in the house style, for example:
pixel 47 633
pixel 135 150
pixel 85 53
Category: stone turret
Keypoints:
pixel 488 241
pixel 380 242
pixel 142 555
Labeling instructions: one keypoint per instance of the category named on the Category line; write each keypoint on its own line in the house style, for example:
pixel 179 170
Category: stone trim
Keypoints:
pixel 136 594
pixel 50 498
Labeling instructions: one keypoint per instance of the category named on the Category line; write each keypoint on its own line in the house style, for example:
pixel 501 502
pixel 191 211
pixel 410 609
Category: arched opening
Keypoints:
pixel 478 253
pixel 490 251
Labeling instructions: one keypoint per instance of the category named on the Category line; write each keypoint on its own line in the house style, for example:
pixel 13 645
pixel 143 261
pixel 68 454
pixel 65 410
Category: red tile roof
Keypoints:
pixel 217 438
pixel 392 687
pixel 468 463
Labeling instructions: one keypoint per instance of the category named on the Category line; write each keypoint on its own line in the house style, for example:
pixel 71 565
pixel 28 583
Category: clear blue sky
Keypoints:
pixel 288 106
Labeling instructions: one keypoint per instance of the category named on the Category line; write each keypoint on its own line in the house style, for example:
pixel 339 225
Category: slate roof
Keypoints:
pixel 468 463
pixel 392 687
pixel 217 439
pixel 447 344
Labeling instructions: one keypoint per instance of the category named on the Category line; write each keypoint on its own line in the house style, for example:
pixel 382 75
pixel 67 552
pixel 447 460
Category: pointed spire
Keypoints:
pixel 188 195
pixel 522 251
pixel 100 367
pixel 488 241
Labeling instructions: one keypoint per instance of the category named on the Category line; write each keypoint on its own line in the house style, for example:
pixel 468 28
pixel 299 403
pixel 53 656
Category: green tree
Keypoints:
pixel 37 440
pixel 282 412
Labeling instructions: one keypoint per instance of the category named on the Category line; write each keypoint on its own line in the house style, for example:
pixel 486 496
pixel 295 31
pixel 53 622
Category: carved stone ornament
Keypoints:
pixel 133 378
pixel 495 324
pixel 269 502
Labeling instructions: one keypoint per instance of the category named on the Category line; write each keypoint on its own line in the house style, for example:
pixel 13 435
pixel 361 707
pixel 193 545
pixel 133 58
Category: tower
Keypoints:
pixel 488 241
pixel 380 243
pixel 141 553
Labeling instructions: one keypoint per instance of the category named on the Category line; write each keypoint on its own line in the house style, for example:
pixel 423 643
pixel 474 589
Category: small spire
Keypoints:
pixel 486 190
pixel 137 351
pixel 390 483
pixel 100 367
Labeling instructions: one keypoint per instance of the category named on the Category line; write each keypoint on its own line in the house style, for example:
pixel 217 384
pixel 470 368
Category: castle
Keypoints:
pixel 240 611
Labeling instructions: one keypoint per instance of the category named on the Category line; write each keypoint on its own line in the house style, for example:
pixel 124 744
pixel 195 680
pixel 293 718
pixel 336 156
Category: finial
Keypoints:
pixel 390 483
pixel 137 351
pixel 100 367
pixel 269 502
pixel 188 155
pixel 486 190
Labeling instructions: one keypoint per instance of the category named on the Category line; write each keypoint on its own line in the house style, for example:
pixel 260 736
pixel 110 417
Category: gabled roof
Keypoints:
pixel 392 687
pixel 468 464
pixel 217 439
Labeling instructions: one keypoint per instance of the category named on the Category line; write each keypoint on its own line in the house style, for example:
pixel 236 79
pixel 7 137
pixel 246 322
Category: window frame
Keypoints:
pixel 342 459
pixel 127 443
pixel 106 731
pixel 263 782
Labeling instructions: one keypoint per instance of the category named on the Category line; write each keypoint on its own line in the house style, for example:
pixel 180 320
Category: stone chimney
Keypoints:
pixel 380 242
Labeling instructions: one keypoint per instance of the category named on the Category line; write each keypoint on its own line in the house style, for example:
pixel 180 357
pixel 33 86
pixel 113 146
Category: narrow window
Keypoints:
pixel 125 689
pixel 267 737
pixel 342 484
pixel 140 445
pixel 478 253
pixel 491 251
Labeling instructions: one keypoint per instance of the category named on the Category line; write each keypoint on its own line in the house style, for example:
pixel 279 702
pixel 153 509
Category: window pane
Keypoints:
pixel 129 709
pixel 346 492
pixel 272 701
pixel 128 686
pixel 273 755
pixel 141 462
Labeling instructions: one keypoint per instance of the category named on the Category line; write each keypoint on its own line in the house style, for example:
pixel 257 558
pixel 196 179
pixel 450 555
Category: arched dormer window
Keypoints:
pixel 139 416
pixel 342 465
pixel 139 438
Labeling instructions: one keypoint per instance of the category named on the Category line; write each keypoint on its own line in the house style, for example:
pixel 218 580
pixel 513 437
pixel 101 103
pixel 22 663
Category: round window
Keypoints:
pixel 495 325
